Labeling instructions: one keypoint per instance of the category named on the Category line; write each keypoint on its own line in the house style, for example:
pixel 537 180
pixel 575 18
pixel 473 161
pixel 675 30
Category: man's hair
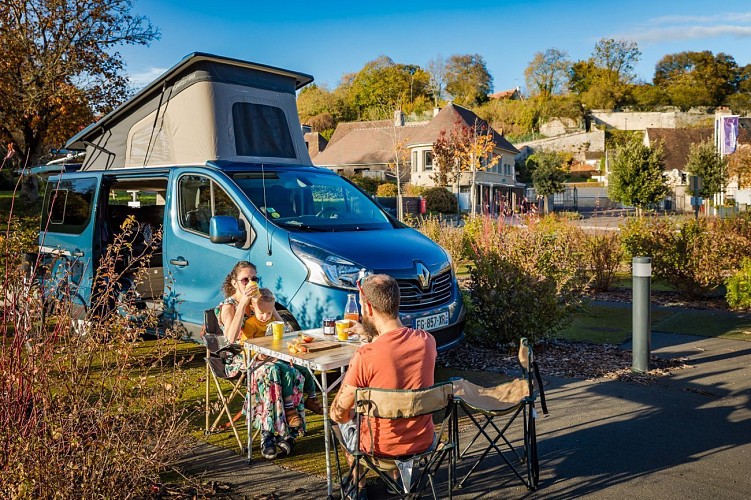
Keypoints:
pixel 381 291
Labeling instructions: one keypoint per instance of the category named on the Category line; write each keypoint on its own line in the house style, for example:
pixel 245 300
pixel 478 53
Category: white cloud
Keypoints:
pixel 736 17
pixel 686 27
pixel 143 78
pixel 688 33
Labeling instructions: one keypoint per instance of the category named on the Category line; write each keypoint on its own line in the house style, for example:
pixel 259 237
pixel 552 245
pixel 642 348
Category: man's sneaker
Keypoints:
pixel 285 445
pixel 314 405
pixel 268 448
pixel 293 418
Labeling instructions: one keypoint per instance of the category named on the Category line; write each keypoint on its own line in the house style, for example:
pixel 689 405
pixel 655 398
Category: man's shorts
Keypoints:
pixel 348 435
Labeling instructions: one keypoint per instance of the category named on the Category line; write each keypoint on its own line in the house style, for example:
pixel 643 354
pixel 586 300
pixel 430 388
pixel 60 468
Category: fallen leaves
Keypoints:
pixel 562 358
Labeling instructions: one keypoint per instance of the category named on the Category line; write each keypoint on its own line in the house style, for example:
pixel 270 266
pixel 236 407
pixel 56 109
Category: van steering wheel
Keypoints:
pixel 328 213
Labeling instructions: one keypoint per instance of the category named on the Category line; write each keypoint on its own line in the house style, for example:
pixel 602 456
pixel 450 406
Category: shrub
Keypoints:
pixel 527 281
pixel 738 294
pixel 367 184
pixel 413 190
pixel 86 413
pixel 387 190
pixel 695 256
pixel 449 237
pixel 604 255
pixel 439 199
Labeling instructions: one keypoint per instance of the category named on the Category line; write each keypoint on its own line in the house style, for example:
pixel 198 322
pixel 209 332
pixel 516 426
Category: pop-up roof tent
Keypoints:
pixel 204 108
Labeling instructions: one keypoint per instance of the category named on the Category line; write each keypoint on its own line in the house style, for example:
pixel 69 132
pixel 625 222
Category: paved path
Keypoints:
pixel 686 436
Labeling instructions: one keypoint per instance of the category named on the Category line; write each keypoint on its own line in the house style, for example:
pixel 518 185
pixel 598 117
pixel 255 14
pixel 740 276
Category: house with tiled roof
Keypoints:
pixel 510 94
pixel 676 145
pixel 369 148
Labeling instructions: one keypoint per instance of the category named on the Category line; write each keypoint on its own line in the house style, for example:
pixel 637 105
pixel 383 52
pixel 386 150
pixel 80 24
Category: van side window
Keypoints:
pixel 200 199
pixel 261 130
pixel 68 205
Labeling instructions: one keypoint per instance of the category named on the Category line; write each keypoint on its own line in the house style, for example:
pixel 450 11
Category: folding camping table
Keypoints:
pixel 337 358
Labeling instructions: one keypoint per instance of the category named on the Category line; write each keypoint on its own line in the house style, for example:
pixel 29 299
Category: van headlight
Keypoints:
pixel 326 268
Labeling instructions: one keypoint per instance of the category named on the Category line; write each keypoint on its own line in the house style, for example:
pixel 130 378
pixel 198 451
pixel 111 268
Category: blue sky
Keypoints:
pixel 327 39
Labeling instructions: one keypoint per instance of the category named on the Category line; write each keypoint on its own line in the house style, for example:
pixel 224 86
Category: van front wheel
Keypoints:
pixel 290 322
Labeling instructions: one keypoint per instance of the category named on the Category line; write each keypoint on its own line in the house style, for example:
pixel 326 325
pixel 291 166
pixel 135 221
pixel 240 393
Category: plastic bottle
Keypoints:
pixel 350 310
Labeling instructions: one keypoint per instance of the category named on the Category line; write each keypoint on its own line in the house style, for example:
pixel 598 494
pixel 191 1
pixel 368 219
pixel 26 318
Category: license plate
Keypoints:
pixel 432 322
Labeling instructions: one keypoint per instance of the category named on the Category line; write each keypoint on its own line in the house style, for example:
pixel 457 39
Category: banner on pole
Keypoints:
pixel 729 134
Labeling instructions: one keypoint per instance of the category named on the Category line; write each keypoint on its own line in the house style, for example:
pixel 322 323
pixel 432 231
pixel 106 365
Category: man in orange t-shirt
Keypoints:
pixel 396 358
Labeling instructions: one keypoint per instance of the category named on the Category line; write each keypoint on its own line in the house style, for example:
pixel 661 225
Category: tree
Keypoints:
pixel 464 149
pixel 636 175
pixel 59 64
pixel 705 161
pixel 697 78
pixel 739 165
pixel 447 153
pixel 618 57
pixel 604 80
pixel 548 177
pixel 468 79
pixel 383 85
pixel 547 73
pixel 437 71
pixel 646 97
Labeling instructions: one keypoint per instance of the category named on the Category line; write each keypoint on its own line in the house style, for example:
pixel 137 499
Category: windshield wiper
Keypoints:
pixel 299 225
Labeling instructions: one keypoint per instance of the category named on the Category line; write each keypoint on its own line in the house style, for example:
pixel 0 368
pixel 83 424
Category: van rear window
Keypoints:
pixel 261 130
pixel 67 205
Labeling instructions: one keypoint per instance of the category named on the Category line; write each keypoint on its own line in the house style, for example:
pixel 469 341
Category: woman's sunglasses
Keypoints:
pixel 245 281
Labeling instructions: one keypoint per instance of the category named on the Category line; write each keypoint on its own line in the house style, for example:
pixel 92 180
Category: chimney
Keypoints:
pixel 398 118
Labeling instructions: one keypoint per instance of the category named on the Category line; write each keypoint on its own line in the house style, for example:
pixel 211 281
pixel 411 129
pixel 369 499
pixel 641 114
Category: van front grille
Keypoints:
pixel 414 298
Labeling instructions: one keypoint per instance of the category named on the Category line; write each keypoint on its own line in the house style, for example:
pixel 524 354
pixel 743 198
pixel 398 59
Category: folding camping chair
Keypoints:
pixel 218 352
pixel 416 471
pixel 509 401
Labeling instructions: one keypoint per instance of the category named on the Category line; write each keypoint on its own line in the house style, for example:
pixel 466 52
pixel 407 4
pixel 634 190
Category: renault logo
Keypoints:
pixel 423 275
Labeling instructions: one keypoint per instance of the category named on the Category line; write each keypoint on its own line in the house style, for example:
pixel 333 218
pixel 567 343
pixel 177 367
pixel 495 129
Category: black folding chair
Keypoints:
pixel 218 354
pixel 400 404
pixel 487 407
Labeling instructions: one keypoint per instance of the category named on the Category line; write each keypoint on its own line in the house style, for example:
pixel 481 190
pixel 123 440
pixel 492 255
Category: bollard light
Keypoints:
pixel 641 313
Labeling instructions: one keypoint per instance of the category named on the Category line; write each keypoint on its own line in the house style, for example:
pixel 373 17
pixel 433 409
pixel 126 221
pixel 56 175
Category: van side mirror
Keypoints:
pixel 225 229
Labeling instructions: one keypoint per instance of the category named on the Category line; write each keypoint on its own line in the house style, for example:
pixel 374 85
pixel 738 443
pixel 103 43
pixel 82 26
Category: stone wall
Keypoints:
pixel 576 143
pixel 642 121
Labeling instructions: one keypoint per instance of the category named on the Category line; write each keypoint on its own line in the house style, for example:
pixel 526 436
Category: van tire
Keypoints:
pixel 289 320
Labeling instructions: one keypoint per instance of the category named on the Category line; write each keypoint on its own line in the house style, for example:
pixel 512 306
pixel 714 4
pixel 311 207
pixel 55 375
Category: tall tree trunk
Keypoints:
pixel 31 154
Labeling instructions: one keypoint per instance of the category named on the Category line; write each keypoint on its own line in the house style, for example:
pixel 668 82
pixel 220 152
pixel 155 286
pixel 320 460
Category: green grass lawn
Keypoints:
pixel 605 324
pixel 21 208
pixel 612 324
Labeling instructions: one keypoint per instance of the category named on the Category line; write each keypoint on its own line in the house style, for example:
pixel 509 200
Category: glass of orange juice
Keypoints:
pixel 342 329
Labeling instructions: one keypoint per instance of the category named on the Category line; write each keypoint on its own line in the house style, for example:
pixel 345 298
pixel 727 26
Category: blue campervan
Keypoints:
pixel 213 154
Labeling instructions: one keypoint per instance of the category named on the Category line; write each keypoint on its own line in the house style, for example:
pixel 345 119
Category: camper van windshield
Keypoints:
pixel 310 201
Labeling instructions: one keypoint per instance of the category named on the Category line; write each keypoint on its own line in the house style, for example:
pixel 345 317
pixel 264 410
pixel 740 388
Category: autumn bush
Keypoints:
pixel 693 255
pixel 387 190
pixel 603 254
pixel 87 411
pixel 438 199
pixel 526 281
pixel 738 295
pixel 450 237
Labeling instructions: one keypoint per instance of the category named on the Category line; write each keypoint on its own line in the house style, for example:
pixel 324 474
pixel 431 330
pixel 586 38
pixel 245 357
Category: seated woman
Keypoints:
pixel 278 387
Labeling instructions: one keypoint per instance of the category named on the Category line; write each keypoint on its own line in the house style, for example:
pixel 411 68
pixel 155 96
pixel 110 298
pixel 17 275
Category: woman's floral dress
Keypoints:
pixel 266 388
